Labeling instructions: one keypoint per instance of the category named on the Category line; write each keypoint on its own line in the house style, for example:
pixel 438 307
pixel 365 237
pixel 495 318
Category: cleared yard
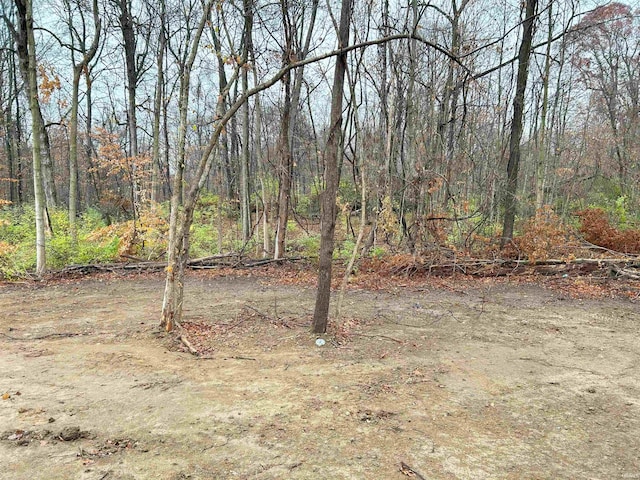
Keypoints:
pixel 483 381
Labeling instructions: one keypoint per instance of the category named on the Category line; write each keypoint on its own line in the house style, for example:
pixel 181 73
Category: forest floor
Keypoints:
pixel 452 378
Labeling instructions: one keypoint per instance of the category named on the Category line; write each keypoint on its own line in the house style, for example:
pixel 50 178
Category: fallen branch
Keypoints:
pixel 263 315
pixel 621 272
pixel 410 472
pixel 42 337
pixel 267 261
pixel 203 263
pixel 497 267
pixel 401 342
pixel 187 344
pixel 593 246
pixel 551 261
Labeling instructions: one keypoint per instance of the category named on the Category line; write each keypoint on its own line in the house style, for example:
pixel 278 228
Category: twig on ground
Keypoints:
pixel 378 335
pixel 187 344
pixel 263 315
pixel 410 472
pixel 42 337
pixel 621 272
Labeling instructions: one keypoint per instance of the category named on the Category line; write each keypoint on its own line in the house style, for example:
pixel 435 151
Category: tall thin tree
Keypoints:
pixel 331 178
pixel 524 55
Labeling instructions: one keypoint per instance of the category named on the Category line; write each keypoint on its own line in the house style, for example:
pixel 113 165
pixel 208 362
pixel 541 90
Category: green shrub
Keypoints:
pixel 345 250
pixel 203 240
pixel 307 246
pixel 62 251
pixel 18 238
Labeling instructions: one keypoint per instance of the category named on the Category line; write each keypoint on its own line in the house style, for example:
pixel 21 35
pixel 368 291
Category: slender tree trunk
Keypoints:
pixel 73 155
pixel 25 12
pixel 157 109
pixel 412 101
pixel 10 128
pixel 9 145
pixel 524 54
pixel 288 124
pixel 453 93
pixel 89 147
pixel 129 42
pixel 332 179
pixel 78 70
pixel 542 139
pixel 245 206
pixel 18 137
pixel 285 172
pixel 180 217
pixel 285 167
pixel 49 185
pixel 266 241
pixel 38 124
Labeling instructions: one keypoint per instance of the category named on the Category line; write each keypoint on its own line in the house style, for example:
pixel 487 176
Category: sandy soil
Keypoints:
pixel 486 382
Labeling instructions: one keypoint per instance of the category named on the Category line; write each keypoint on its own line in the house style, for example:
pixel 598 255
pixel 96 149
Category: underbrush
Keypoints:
pixel 18 238
pixel 393 241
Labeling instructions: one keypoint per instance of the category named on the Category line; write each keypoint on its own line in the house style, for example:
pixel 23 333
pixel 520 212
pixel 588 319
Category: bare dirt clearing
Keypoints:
pixel 490 382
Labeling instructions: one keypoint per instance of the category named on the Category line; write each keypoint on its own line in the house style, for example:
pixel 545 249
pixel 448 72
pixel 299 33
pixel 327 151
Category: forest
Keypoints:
pixel 304 239
pixel 433 132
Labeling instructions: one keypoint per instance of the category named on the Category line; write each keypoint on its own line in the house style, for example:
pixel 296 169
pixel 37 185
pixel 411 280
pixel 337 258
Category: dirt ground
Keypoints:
pixel 477 381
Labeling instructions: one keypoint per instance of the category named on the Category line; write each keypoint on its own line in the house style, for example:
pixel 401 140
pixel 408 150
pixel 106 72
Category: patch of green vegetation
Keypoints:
pixel 344 250
pixel 308 246
pixel 203 240
pixel 18 238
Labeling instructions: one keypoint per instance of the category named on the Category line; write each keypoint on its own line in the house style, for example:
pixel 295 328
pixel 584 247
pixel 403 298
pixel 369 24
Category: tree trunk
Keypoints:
pixel 49 185
pixel 285 168
pixel 542 139
pixel 25 12
pixel 129 43
pixel 284 173
pixel 157 109
pixel 332 179
pixel 180 217
pixel 78 70
pixel 524 54
pixel 38 126
pixel 89 147
pixel 73 155
pixel 245 207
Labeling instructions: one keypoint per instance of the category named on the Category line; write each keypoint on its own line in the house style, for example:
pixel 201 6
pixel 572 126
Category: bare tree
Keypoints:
pixel 245 207
pixel 20 34
pixel 333 151
pixel 524 54
pixel 77 35
pixel 25 22
pixel 178 251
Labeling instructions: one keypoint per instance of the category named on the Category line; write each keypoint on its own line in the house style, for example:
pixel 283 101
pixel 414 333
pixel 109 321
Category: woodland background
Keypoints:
pixel 118 96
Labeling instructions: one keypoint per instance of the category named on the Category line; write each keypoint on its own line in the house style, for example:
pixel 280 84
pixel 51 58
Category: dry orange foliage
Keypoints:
pixel 7 248
pixel 147 237
pixel 544 236
pixel 49 82
pixel 597 229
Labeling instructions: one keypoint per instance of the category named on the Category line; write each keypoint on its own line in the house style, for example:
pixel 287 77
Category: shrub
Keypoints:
pixel 597 229
pixel 544 237
pixel 308 245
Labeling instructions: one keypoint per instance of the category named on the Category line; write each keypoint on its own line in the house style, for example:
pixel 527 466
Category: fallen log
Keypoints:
pixel 504 267
pixel 212 262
